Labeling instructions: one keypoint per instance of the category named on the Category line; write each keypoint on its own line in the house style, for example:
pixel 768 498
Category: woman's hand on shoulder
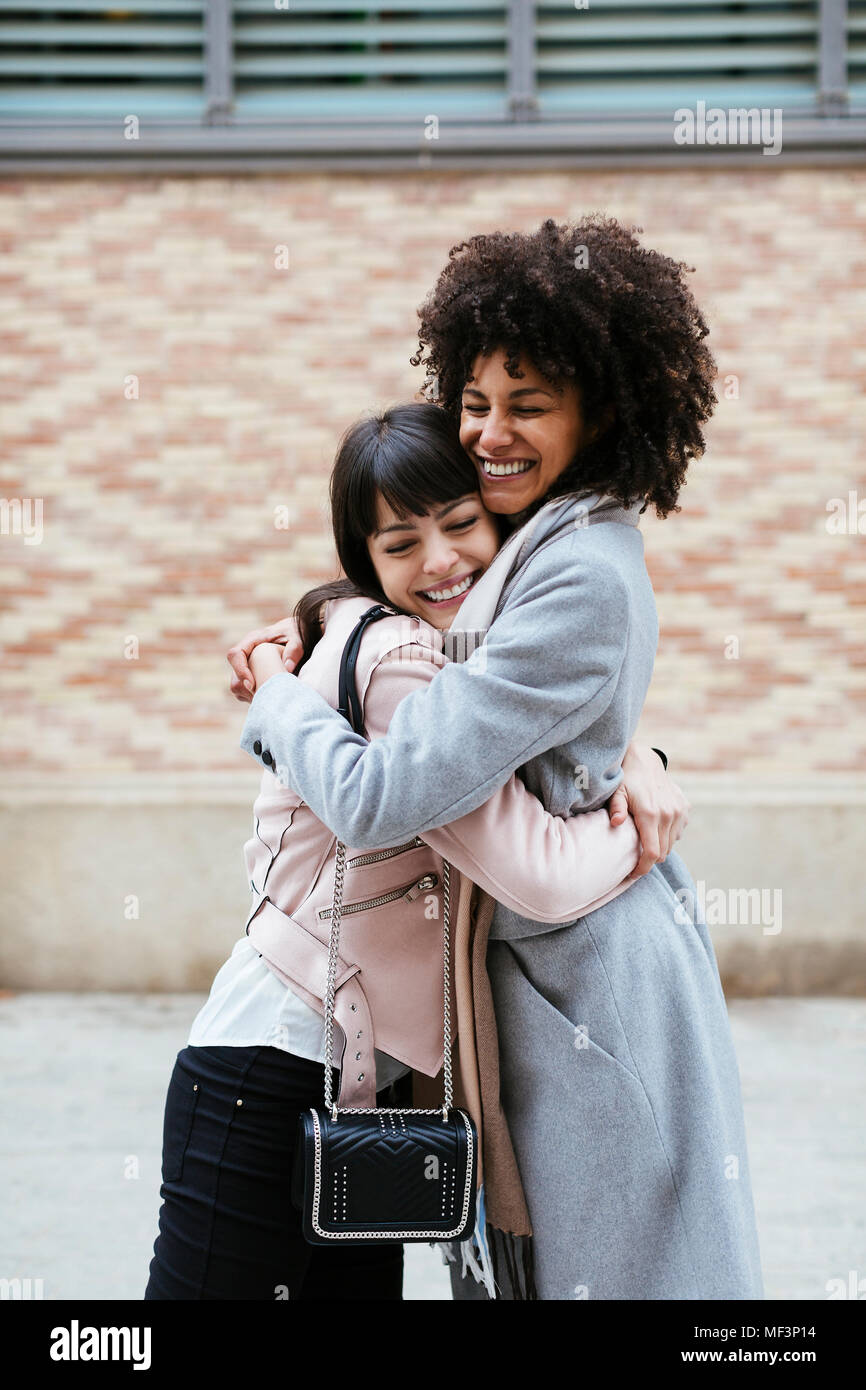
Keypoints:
pixel 659 807
pixel 243 681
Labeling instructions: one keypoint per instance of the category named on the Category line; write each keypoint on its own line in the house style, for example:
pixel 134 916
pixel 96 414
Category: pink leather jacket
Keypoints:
pixel 390 977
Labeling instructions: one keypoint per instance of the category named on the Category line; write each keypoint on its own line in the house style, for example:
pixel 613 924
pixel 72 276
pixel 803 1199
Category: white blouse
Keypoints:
pixel 249 1006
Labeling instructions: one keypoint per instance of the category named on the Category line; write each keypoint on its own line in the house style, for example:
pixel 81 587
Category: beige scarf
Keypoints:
pixel 476 1087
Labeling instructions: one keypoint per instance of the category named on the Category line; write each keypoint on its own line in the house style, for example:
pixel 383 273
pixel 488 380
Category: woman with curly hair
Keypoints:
pixel 573 361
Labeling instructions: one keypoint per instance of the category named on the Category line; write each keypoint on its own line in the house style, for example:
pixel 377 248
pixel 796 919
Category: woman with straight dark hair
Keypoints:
pixel 255 1054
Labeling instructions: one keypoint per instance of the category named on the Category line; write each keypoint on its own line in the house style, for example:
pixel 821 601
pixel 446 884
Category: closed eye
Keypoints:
pixel 516 410
pixel 458 526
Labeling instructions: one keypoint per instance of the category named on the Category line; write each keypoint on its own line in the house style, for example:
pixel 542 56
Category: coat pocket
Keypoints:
pixel 595 1032
pixel 180 1106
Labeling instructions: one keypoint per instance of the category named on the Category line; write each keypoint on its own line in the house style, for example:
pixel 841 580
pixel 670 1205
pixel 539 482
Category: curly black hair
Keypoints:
pixel 583 301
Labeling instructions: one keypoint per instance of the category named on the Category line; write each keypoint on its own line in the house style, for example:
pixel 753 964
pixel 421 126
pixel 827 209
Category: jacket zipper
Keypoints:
pixel 409 892
pixel 376 855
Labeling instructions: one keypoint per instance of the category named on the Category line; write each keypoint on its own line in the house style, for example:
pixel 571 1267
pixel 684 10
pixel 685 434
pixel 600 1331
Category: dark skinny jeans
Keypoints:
pixel 227 1226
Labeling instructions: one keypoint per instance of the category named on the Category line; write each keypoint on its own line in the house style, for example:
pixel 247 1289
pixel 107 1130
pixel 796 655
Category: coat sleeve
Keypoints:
pixel 547 670
pixel 544 867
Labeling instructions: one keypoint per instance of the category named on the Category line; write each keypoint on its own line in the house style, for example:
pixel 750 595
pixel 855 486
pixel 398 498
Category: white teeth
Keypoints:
pixel 502 470
pixel 439 594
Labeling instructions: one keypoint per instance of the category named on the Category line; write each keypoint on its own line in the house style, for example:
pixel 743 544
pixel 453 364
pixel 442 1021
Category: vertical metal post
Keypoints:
pixel 522 99
pixel 832 58
pixel 218 62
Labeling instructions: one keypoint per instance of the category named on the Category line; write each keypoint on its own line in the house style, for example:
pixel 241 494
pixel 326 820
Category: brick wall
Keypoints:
pixel 166 387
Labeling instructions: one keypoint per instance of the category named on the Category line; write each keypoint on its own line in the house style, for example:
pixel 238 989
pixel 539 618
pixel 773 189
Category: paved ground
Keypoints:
pixel 84 1080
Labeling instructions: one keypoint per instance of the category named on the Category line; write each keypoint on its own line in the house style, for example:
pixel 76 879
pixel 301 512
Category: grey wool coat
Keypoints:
pixel 618 1074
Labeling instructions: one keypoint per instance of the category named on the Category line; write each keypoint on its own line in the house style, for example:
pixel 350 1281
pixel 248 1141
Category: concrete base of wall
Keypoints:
pixel 140 890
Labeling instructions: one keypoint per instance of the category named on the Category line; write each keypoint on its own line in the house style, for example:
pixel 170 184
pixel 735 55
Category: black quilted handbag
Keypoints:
pixel 383 1175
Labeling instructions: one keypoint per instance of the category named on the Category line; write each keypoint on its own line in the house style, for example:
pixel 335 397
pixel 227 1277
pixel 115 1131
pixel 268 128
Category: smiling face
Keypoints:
pixel 428 564
pixel 521 433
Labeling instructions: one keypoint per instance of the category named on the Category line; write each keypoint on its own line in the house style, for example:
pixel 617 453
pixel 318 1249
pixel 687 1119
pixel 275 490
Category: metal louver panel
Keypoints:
pixel 322 59
pixel 857 53
pixel 645 56
pixel 89 61
pixel 261 83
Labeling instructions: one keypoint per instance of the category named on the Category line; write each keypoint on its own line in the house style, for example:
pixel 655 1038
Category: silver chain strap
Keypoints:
pixel 333 956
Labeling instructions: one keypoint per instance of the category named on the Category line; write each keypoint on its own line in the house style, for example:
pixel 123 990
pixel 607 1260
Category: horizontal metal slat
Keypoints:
pixel 105 35
pixel 41 103
pixel 368 64
pixel 269 34
pixel 598 98
pixel 685 59
pixel 588 27
pixel 674 10
pixel 361 103
pixel 105 9
pixel 441 8
pixel 139 64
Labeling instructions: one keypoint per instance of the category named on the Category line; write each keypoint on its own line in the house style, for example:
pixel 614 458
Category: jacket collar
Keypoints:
pixel 576 509
pixel 486 599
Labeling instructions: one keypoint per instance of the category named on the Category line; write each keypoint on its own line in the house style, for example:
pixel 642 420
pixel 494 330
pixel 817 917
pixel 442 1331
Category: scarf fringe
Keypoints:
pixel 479 1257
pixel 474 1252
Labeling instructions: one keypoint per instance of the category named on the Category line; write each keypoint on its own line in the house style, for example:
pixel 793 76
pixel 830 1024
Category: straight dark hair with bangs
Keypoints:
pixel 411 456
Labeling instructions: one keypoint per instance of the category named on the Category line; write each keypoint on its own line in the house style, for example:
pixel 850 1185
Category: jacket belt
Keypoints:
pixel 301 957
